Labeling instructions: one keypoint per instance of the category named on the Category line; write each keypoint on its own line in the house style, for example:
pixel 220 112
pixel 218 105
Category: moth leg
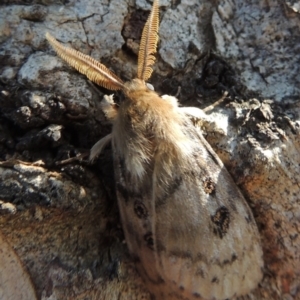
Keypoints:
pixel 197 115
pixel 98 147
pixel 78 157
pixel 109 107
pixel 212 106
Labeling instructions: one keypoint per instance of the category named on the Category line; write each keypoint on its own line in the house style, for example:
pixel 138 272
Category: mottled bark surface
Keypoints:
pixel 61 217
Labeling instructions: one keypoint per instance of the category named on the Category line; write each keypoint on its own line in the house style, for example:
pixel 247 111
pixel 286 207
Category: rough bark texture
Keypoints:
pixel 61 218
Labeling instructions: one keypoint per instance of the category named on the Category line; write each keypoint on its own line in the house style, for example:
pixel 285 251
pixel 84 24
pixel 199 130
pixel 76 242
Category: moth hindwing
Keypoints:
pixel 187 226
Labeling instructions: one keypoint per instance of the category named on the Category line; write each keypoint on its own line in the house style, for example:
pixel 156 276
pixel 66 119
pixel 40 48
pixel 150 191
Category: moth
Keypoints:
pixel 187 226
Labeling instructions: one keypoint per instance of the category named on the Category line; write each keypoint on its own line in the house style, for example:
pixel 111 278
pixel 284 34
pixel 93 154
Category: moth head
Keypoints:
pixel 137 88
pixel 137 85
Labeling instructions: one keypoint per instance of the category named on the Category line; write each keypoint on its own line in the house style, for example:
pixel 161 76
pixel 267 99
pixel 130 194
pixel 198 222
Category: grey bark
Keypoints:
pixel 61 218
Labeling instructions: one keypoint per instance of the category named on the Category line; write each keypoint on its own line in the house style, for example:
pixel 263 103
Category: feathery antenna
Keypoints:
pixel 148 44
pixel 94 70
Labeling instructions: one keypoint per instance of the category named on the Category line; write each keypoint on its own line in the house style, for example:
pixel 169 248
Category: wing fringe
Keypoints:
pixel 148 44
pixel 94 70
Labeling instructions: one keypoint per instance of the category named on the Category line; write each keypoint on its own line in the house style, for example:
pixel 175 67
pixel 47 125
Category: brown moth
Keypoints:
pixel 188 228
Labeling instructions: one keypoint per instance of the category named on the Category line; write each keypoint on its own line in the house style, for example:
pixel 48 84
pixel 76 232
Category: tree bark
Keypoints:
pixel 60 214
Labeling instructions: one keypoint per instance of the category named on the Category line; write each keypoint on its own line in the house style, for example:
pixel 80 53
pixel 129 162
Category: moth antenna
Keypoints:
pixel 94 70
pixel 148 44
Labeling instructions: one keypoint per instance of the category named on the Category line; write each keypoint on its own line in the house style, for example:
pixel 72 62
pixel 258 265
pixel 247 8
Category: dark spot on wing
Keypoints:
pixel 197 295
pixel 200 272
pixel 221 219
pixel 148 238
pixel 181 288
pixel 215 279
pixel 140 210
pixel 201 257
pixel 181 254
pixel 209 185
pixel 233 257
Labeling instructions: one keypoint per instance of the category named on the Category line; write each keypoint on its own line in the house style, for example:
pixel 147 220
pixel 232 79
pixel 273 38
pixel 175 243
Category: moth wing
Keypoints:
pixel 193 236
pixel 15 282
pixel 136 208
pixel 207 242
